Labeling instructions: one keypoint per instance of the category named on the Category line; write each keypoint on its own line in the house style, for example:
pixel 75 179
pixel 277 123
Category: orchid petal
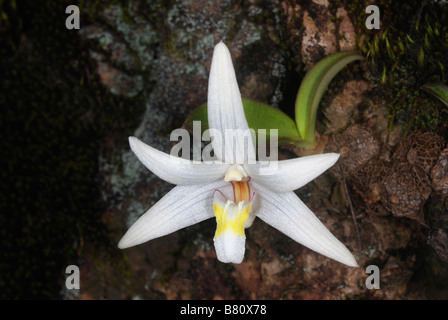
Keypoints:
pixel 174 169
pixel 230 240
pixel 183 206
pixel 293 173
pixel 288 214
pixel 230 247
pixel 225 111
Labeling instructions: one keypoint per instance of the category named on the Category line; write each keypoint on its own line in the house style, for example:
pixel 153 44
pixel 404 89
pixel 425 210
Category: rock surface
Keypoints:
pixel 167 59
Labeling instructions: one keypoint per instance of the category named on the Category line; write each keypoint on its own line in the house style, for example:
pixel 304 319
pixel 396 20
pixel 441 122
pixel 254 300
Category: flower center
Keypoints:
pixel 235 173
pixel 239 179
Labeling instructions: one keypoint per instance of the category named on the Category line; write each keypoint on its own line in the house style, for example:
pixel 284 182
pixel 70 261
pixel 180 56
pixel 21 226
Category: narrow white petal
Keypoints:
pixel 225 110
pixel 287 213
pixel 294 173
pixel 183 206
pixel 174 169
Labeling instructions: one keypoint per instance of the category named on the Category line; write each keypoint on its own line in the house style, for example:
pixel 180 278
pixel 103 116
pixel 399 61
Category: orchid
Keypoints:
pixel 234 189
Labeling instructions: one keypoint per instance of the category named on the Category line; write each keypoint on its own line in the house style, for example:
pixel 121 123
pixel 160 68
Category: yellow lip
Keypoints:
pixel 231 217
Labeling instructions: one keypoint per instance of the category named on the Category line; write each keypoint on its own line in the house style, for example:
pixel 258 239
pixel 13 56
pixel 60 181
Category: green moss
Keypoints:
pixel 402 57
pixel 404 54
pixel 356 11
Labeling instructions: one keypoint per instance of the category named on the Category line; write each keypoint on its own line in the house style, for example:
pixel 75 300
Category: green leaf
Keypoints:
pixel 438 90
pixel 313 87
pixel 258 115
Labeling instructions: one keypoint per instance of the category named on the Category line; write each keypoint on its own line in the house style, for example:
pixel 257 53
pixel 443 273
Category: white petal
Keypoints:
pixel 294 173
pixel 229 238
pixel 183 206
pixel 174 169
pixel 287 213
pixel 219 198
pixel 252 216
pixel 225 110
pixel 230 248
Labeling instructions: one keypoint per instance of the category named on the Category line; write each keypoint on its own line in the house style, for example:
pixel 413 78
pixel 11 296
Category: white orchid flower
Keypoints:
pixel 205 190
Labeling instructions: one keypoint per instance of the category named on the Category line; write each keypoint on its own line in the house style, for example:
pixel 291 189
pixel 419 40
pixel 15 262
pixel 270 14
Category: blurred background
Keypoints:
pixel 70 187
